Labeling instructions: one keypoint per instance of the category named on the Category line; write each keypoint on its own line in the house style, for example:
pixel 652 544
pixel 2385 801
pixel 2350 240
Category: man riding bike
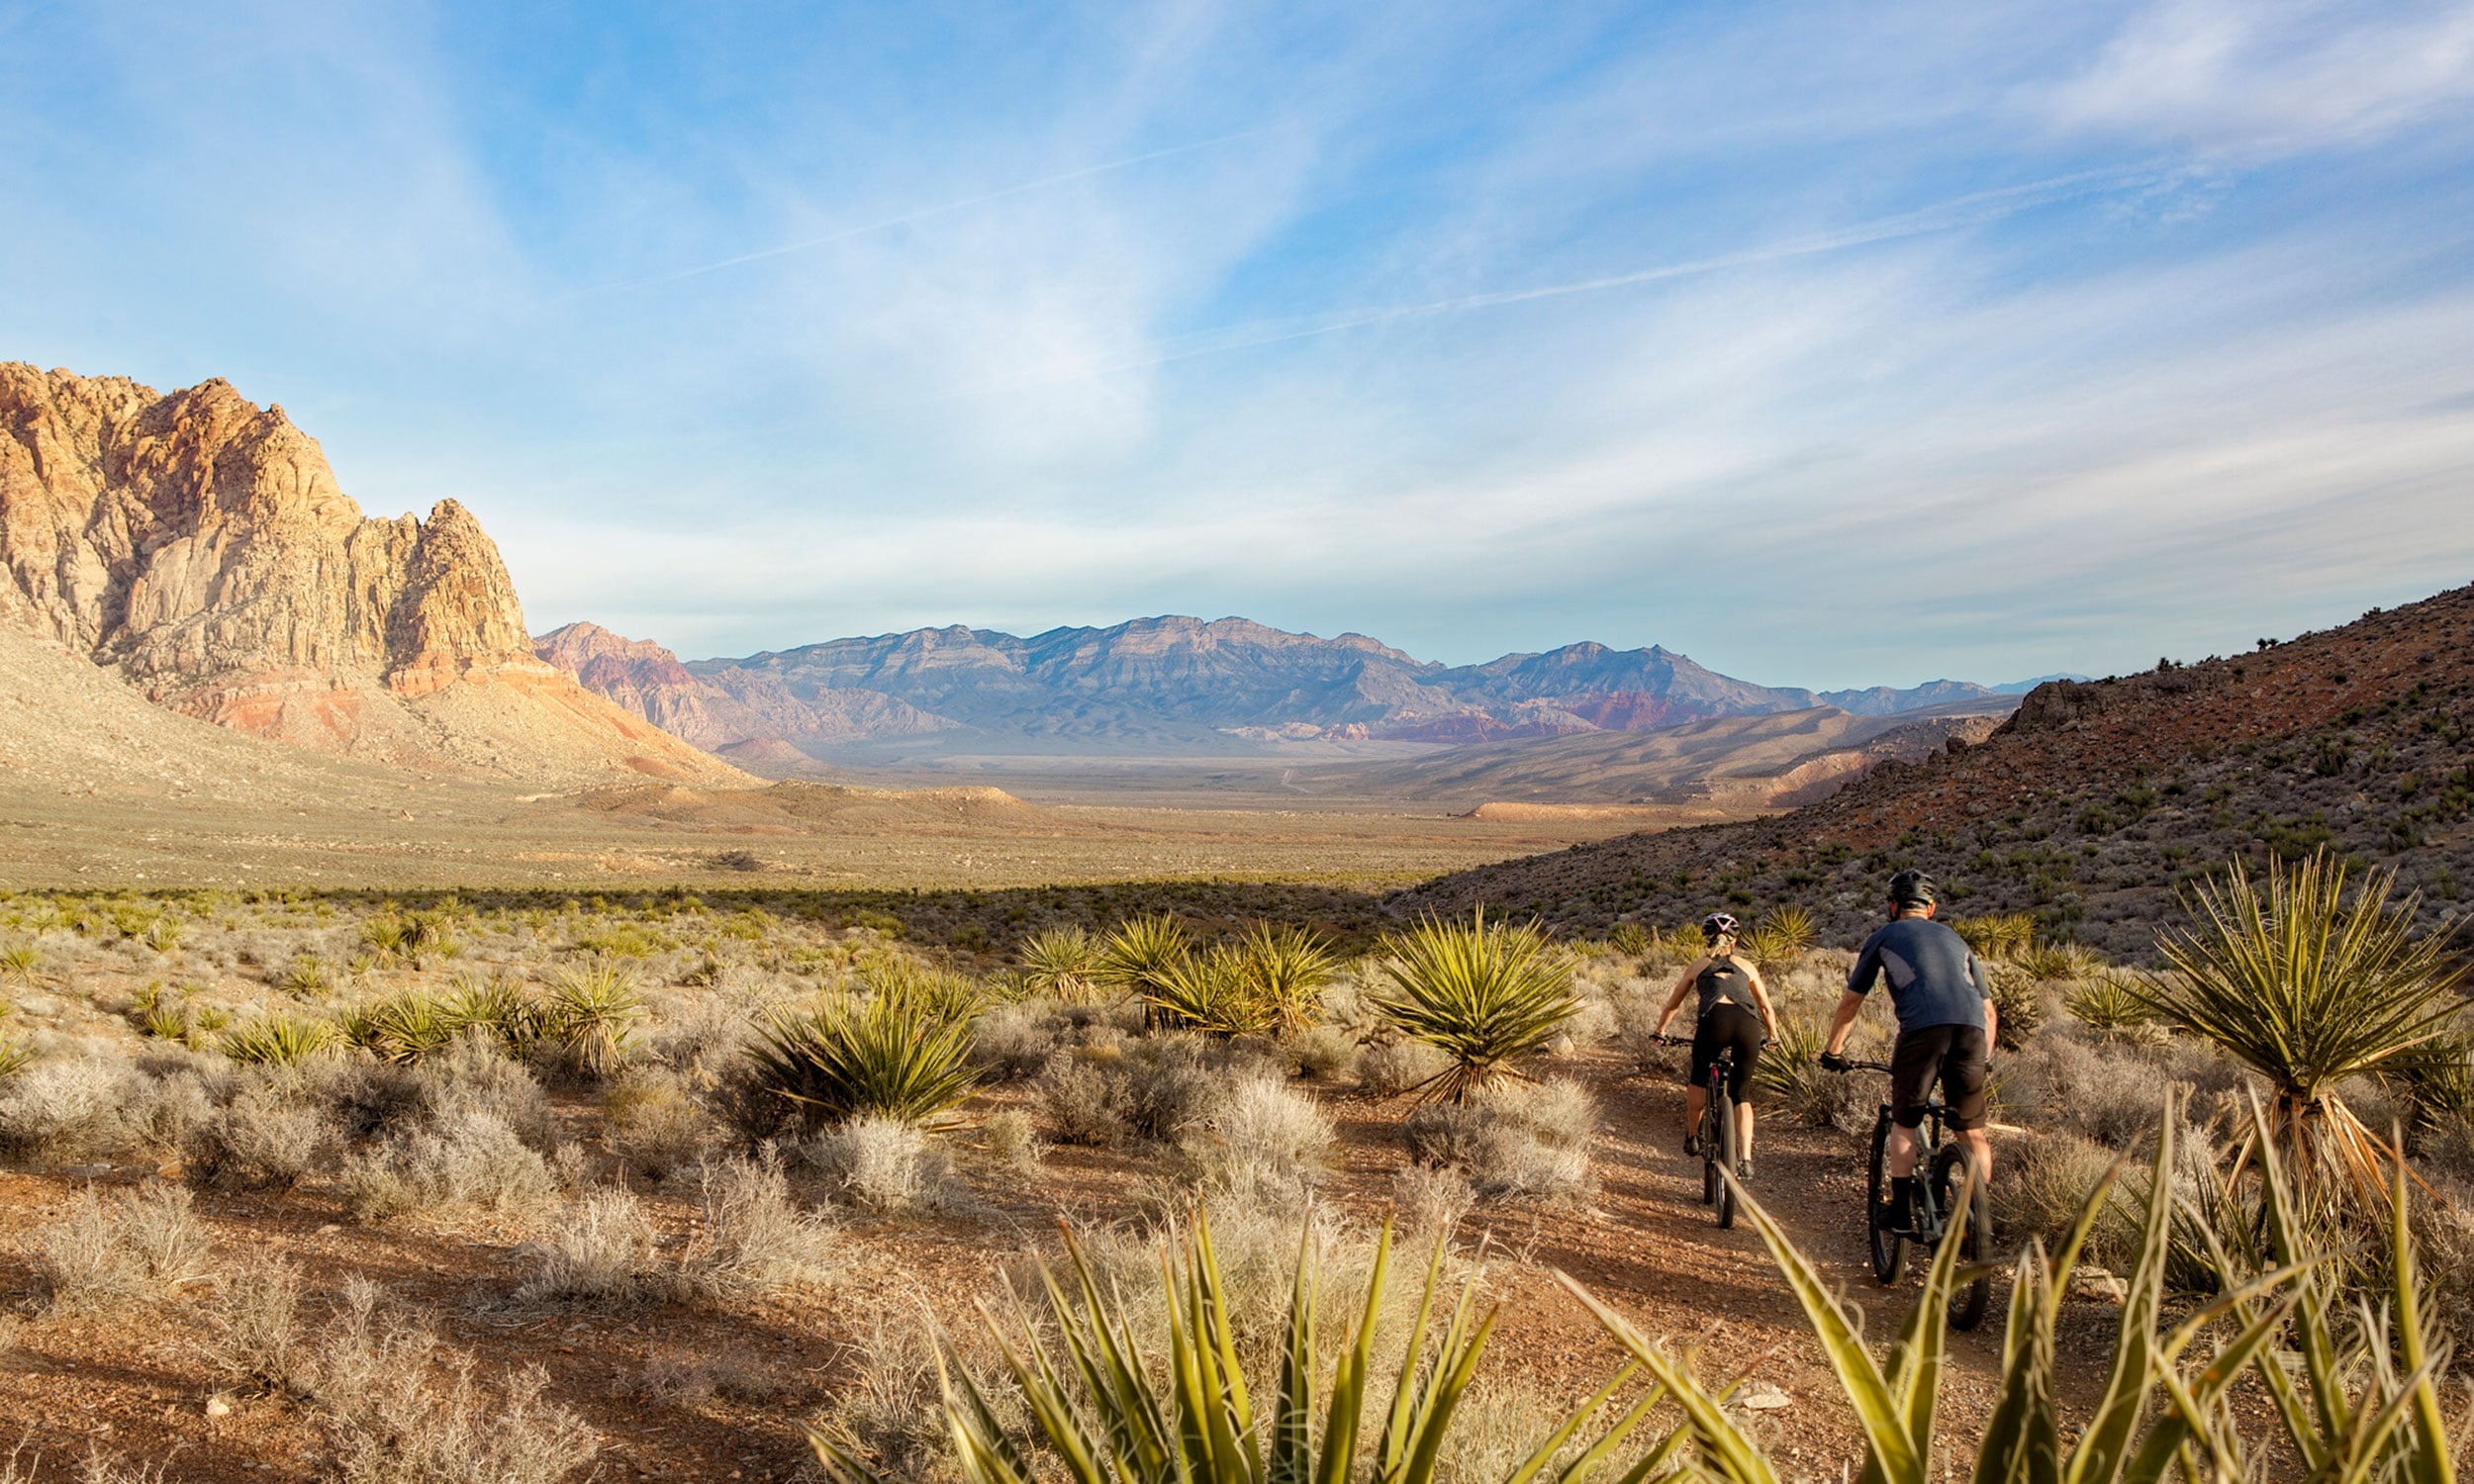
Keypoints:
pixel 1947 1022
pixel 1734 1011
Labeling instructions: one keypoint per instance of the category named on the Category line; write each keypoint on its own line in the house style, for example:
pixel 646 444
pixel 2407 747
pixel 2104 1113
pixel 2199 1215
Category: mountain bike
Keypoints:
pixel 1717 1136
pixel 1946 1168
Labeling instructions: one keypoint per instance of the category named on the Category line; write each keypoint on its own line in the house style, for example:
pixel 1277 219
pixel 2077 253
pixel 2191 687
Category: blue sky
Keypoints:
pixel 1827 343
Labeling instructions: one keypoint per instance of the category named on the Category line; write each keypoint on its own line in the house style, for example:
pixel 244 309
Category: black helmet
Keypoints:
pixel 1718 925
pixel 1914 888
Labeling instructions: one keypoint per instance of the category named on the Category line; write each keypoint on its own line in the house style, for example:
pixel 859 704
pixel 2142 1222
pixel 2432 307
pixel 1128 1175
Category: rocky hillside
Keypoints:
pixel 2095 801
pixel 200 547
pixel 1176 683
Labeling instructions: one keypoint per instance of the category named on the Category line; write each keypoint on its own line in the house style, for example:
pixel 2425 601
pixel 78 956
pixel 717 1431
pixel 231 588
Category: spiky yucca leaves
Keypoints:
pixel 1480 993
pixel 595 1016
pixel 928 996
pixel 1110 1417
pixel 849 1058
pixel 2054 961
pixel 2364 1414
pixel 1630 939
pixel 1287 967
pixel 402 1029
pixel 14 1056
pixel 1211 991
pixel 2309 985
pixel 1999 937
pixel 1781 936
pixel 279 1039
pixel 19 961
pixel 2110 1002
pixel 1140 951
pixel 1063 964
pixel 497 1006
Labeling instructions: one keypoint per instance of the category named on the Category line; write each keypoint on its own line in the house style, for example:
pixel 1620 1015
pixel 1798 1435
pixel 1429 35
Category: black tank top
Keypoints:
pixel 1723 983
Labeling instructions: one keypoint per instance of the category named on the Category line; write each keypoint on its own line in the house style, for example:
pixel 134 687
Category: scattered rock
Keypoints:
pixel 2095 1285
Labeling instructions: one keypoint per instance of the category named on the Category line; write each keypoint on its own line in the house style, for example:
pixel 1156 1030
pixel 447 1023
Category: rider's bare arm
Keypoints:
pixel 1842 1020
pixel 1683 986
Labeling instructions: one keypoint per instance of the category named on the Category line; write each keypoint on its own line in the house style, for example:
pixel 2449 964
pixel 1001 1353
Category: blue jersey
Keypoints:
pixel 1934 977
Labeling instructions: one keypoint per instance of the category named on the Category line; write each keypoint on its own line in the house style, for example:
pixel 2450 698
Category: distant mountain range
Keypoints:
pixel 1176 683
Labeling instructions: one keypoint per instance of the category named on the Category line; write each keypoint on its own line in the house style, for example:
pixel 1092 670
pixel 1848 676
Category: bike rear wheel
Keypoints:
pixel 1887 1253
pixel 1950 1170
pixel 1721 1155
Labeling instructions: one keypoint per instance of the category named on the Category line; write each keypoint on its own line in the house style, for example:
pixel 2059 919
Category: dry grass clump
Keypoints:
pixel 653 1122
pixel 1155 1088
pixel 395 1405
pixel 1513 1142
pixel 886 1165
pixel 1262 1143
pixel 61 1108
pixel 2044 1185
pixel 264 1134
pixel 452 1160
pixel 890 1411
pixel 1012 1137
pixel 755 1238
pixel 1430 1201
pixel 1325 1054
pixel 1015 1039
pixel 1388 1069
pixel 252 1324
pixel 117 1252
pixel 1081 1102
pixel 688 1381
pixel 604 1252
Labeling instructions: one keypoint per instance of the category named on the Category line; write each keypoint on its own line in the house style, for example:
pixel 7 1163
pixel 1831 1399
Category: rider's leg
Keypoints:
pixel 1744 1121
pixel 1902 1152
pixel 1696 1102
pixel 1981 1148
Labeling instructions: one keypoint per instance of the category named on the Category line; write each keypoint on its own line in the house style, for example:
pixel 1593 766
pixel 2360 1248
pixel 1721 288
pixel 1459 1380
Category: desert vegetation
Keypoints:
pixel 475 1126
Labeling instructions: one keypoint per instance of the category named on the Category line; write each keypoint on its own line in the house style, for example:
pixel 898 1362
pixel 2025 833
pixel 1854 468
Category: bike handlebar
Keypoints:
pixel 1853 1066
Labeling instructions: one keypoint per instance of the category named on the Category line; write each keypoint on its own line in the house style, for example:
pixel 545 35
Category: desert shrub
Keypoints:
pixel 63 1107
pixel 849 1058
pixel 602 1251
pixel 755 1238
pixel 1171 1086
pixel 1082 1102
pixel 594 1017
pixel 1012 1137
pixel 888 1410
pixel 2018 1005
pixel 885 1165
pixel 1636 1013
pixel 117 1252
pixel 263 1135
pixel 472 1077
pixel 653 1122
pixel 1514 1142
pixel 252 1326
pixel 1325 1054
pixel 397 1405
pixel 1388 1069
pixel 452 1160
pixel 1480 995
pixel 702 1041
pixel 1630 939
pixel 1429 1200
pixel 1261 1142
pixel 688 1381
pixel 1015 1039
pixel 2042 1184
pixel 278 1039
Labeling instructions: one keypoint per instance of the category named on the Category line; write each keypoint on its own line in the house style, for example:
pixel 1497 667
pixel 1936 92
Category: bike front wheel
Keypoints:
pixel 1950 1173
pixel 1887 1253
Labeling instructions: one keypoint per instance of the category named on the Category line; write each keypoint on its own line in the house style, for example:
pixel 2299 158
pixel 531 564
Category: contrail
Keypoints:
pixel 1946 216
pixel 762 254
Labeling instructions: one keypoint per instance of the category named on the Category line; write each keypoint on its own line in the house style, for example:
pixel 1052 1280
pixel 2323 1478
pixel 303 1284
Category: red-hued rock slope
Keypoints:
pixel 200 546
pixel 2093 803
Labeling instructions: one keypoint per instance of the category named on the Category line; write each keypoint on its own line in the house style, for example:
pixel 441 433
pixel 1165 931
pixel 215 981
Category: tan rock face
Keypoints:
pixel 200 545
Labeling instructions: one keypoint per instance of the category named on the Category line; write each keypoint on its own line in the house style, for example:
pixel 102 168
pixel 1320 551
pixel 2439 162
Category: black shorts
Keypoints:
pixel 1724 1025
pixel 1955 1056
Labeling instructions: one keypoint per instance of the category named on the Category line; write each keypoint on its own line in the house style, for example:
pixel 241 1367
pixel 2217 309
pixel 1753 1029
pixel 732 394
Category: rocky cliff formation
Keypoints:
pixel 756 715
pixel 200 546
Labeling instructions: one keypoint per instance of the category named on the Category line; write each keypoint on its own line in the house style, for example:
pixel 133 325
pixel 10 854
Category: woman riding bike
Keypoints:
pixel 1734 1011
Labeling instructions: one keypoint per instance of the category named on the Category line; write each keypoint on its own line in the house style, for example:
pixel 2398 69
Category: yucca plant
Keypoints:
pixel 1791 1071
pixel 403 1028
pixel 2110 1002
pixel 594 1016
pixel 1140 950
pixel 1287 969
pixel 924 994
pixel 2052 962
pixel 497 1006
pixel 14 1056
pixel 1480 993
pixel 19 961
pixel 2002 936
pixel 1111 1416
pixel 850 1058
pixel 1063 964
pixel 1630 939
pixel 2308 984
pixel 278 1039
pixel 1781 936
pixel 1211 992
